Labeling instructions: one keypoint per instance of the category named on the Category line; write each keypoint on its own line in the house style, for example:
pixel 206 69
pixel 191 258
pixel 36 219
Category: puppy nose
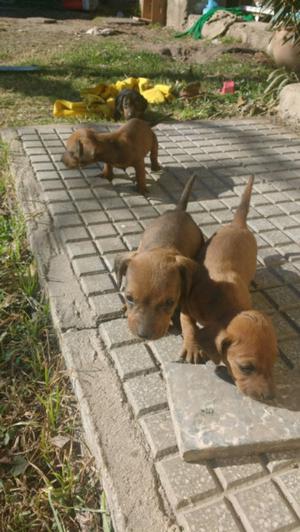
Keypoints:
pixel 268 396
pixel 144 336
pixel 143 333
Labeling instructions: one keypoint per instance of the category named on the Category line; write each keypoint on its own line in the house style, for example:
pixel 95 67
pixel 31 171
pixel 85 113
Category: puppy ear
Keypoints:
pixel 223 341
pixel 187 268
pixel 121 265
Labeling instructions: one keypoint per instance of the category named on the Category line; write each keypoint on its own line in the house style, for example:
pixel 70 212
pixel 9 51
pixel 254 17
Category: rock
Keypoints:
pixel 289 104
pixel 285 53
pixel 254 35
pixel 218 24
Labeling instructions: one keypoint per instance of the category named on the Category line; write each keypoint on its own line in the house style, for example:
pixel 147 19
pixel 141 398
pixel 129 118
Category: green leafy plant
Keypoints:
pixel 286 16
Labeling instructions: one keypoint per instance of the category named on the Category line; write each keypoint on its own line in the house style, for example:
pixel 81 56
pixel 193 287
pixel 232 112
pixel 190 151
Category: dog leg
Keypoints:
pixel 191 351
pixel 108 171
pixel 155 166
pixel 140 176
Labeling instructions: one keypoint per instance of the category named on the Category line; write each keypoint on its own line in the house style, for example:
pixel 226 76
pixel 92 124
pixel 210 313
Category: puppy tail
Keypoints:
pixel 182 204
pixel 241 213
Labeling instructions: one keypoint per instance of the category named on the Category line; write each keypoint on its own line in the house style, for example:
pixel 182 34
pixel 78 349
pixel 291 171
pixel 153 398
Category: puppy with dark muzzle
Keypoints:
pixel 159 273
pixel 220 300
pixel 128 146
pixel 130 104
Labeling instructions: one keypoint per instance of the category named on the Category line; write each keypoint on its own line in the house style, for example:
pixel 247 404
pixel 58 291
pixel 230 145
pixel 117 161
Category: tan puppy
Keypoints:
pixel 128 146
pixel 220 300
pixel 159 273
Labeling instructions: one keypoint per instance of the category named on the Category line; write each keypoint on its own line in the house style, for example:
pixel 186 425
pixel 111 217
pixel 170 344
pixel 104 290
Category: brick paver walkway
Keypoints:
pixel 79 222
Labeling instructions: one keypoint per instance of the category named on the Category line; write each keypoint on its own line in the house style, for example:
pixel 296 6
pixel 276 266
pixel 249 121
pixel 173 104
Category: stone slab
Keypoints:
pixel 213 419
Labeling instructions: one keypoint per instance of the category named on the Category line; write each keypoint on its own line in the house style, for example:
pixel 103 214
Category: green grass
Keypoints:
pixel 30 98
pixel 46 481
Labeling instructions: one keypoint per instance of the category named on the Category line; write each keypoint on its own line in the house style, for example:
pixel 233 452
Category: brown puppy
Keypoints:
pixel 158 274
pixel 128 146
pixel 130 104
pixel 220 300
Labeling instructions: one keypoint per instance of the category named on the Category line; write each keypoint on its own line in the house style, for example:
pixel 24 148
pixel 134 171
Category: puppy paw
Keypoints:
pixel 155 167
pixel 193 354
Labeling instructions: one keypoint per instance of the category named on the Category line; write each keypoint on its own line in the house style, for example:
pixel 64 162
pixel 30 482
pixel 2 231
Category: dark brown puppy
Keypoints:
pixel 159 273
pixel 128 146
pixel 220 300
pixel 130 104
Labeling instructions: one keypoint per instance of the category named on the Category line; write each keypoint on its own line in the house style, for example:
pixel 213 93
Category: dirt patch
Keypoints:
pixel 20 34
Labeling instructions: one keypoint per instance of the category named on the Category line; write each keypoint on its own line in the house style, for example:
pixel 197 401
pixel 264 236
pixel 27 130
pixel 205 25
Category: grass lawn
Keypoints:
pixel 28 97
pixel 46 481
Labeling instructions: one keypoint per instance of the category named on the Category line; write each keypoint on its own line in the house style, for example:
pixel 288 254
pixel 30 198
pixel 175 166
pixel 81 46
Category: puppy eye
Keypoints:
pixel 169 303
pixel 129 299
pixel 247 369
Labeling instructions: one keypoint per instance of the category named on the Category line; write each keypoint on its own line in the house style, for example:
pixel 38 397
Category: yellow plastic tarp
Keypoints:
pixel 100 99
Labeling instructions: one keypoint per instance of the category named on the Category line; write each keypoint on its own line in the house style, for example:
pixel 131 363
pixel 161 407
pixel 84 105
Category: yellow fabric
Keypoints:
pixel 100 99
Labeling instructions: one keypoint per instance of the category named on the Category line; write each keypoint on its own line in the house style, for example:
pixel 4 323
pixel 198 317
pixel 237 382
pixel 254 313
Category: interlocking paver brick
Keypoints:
pixel 213 518
pixel 276 238
pixel 102 230
pixel 264 508
pixel 279 460
pixel 131 226
pixel 266 279
pixel 67 220
pixel 159 432
pixel 167 349
pixel 282 326
pixel 284 222
pixel 294 315
pixel 260 302
pixel 60 208
pixel 82 193
pixel 110 244
pixel 42 176
pixel 132 360
pixel 88 265
pixel 57 195
pixel 185 483
pixel 290 485
pixel 290 348
pixel 117 333
pixel 73 234
pixel 290 207
pixel 98 283
pixel 284 297
pixel 52 184
pixel 106 306
pixel 79 249
pixel 132 241
pixel 294 233
pixel 95 217
pixel 146 393
pixel 88 205
pixel 117 215
pixel 233 472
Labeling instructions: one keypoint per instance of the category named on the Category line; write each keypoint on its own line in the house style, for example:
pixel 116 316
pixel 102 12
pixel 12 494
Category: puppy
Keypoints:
pixel 159 273
pixel 220 300
pixel 130 104
pixel 128 146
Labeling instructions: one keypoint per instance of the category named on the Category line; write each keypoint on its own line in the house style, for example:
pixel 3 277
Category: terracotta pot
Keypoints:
pixel 285 54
